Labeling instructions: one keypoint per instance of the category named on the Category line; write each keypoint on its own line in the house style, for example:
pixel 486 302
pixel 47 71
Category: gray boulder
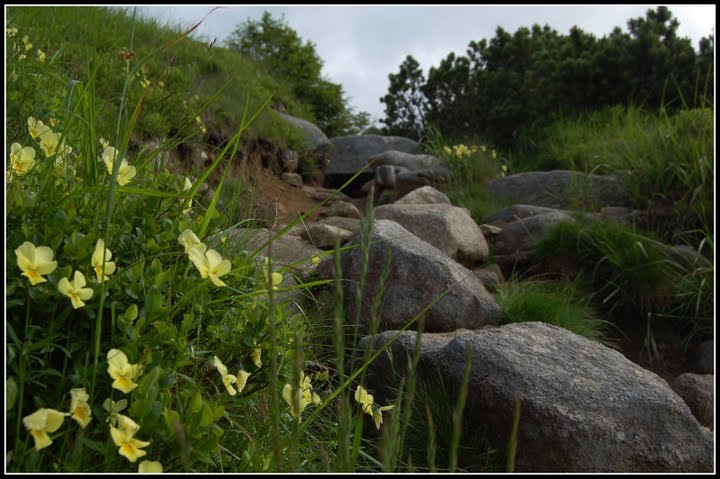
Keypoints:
pixel 325 236
pixel 288 250
pixel 418 275
pixel 410 161
pixel 584 407
pixel 315 139
pixel 523 234
pixel 697 392
pixel 449 228
pixel 517 212
pixel 560 189
pixel 350 154
pixel 702 358
pixel 423 196
pixel 342 208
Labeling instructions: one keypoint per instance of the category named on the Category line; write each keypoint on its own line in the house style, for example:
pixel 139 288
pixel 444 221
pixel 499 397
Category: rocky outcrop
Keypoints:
pixel 560 189
pixel 697 392
pixel 418 275
pixel 314 137
pixel 350 154
pixel 447 227
pixel 424 196
pixel 584 407
pixel 411 161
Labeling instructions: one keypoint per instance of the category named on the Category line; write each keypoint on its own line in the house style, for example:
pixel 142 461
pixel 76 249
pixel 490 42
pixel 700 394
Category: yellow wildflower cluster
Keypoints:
pixel 45 421
pixel 367 402
pixel 229 379
pixel 37 261
pixel 126 172
pixel 22 159
pixel 208 261
pixel 300 396
pixel 460 151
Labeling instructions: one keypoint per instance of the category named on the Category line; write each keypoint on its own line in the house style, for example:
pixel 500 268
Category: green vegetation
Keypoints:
pixel 510 86
pixel 635 276
pixel 279 50
pixel 551 303
pixel 143 335
pixel 666 161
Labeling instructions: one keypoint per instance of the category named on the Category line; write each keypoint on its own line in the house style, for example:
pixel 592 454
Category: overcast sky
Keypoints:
pixel 360 45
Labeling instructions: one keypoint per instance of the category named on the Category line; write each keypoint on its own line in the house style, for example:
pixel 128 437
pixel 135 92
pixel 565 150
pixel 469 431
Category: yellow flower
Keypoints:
pixel 53 122
pixel 35 262
pixel 187 185
pixel 28 45
pixel 11 32
pixel 36 127
pixel 368 405
pixel 21 57
pixel 276 277
pixel 122 436
pixel 447 150
pixel 242 377
pixel 79 407
pixel 42 422
pixel 103 142
pixel 494 154
pixel 150 467
pixel 209 263
pixel 97 261
pixel 483 148
pixel 188 239
pixel 21 159
pixel 256 357
pixel 49 142
pixel 74 290
pixel 161 84
pixel 144 83
pixel 316 260
pixel 41 55
pixel 228 379
pixel 297 404
pixel 126 172
pixel 303 396
pixel 122 371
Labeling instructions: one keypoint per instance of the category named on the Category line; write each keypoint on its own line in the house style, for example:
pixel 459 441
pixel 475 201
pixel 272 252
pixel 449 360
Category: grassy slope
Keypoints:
pixel 88 39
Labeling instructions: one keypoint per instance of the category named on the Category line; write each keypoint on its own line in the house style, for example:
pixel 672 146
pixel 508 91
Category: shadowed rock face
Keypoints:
pixel 418 275
pixel 560 189
pixel 584 407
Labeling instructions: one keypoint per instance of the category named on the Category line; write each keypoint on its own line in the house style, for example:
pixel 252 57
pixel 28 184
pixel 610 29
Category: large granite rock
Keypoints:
pixel 560 189
pixel 449 228
pixel 315 139
pixel 584 407
pixel 418 275
pixel 351 153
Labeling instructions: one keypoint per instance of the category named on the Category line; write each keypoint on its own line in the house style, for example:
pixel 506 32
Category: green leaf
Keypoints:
pixel 10 393
pixel 153 300
pixel 172 419
pixel 162 277
pixel 195 403
pixel 206 416
pixel 131 313
pixel 141 408
pixel 147 381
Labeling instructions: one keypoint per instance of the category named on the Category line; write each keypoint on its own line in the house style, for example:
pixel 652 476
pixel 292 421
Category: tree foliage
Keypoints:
pixel 283 54
pixel 516 83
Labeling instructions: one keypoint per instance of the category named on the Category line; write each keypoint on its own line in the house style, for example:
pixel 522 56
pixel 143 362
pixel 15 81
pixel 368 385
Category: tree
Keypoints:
pixel 405 103
pixel 284 55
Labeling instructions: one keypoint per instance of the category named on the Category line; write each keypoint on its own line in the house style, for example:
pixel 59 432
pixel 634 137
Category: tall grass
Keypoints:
pixel 665 160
